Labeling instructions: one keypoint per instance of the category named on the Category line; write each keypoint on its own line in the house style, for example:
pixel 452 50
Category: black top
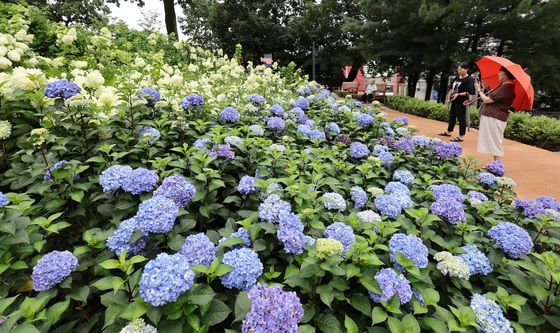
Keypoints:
pixel 465 84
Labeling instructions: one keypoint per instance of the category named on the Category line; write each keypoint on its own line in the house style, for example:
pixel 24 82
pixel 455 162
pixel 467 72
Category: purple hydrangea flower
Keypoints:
pixel 199 250
pixel 140 180
pixel 276 110
pixel 342 233
pixel 301 117
pixel 487 178
pixel 165 278
pixel 549 202
pixel 224 151
pixel 489 315
pixel 387 141
pixel 388 205
pixel 359 196
pixel 403 120
pixel 3 200
pixel 61 88
pixel 177 189
pixel 447 149
pixel 512 239
pixel 256 99
pixel 403 176
pixel 271 207
pixel 358 150
pixel 405 144
pixel 156 215
pixel 290 233
pixel 149 133
pixel 341 138
pixel 247 185
pixel 302 103
pixel 447 191
pixel 364 119
pixel 411 246
pixel 230 114
pixel 477 195
pixel 113 178
pixel 449 209
pixel 192 101
pixel 120 240
pixel 332 128
pixel 276 124
pixel 272 310
pixel 477 261
pixel 52 269
pixel 247 267
pixel 497 168
pixel 150 94
pixel 390 284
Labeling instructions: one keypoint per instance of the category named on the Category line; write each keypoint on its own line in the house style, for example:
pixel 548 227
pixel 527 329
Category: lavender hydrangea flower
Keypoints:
pixel 420 141
pixel 48 174
pixel 342 233
pixel 256 99
pixel 119 241
pixel 532 208
pixel 271 207
pixel 177 189
pixel 359 196
pixel 276 110
pixel 368 216
pixel 165 278
pixel 403 120
pixel 156 215
pixel 202 143
pixel 199 250
pixel 411 246
pixel 388 205
pixel 405 144
pixel 334 201
pixel 489 315
pixel 276 124
pixel 150 94
pixel 247 267
pixel 358 150
pixel 364 119
pixel 487 178
pixel 477 195
pixel 549 202
pixel 449 209
pixel 403 176
pixel 447 150
pixel 301 117
pixel 290 233
pixel 52 269
pixel 447 191
pixel 223 151
pixel 332 128
pixel 477 261
pixel 230 114
pixel 113 178
pixel 247 185
pixel 512 239
pixel 341 138
pixel 497 168
pixel 192 101
pixel 272 310
pixel 140 180
pixel 61 88
pixel 302 103
pixel 150 134
pixel 390 284
pixel 3 200
pixel 256 130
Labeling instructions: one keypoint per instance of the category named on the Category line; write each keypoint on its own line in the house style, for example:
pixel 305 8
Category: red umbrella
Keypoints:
pixel 489 67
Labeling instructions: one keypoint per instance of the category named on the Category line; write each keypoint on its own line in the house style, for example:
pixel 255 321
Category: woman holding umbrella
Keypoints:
pixel 494 114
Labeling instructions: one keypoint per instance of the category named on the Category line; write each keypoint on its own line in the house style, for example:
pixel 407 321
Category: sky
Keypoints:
pixel 131 13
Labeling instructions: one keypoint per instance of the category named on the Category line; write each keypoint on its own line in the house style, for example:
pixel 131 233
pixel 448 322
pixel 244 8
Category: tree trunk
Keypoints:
pixel 429 84
pixel 411 85
pixel 500 50
pixel 442 91
pixel 170 17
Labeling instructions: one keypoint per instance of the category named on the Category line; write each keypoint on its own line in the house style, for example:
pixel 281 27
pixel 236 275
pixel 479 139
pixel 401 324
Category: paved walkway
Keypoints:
pixel 536 171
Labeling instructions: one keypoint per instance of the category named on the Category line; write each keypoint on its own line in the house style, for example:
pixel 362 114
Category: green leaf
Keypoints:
pixel 25 328
pixel 77 195
pixel 242 306
pixel 352 270
pixel 350 325
pixel 378 315
pixel 410 324
pixel 395 326
pixel 306 329
pixel 201 294
pixel 325 294
pixel 134 310
pixel 110 264
pixel 6 302
pixel 223 269
pixel 361 303
pixel 217 313
pixel 55 311
pixel 327 323
pixel 437 325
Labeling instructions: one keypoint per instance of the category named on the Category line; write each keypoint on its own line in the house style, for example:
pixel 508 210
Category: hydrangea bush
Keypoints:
pixel 166 187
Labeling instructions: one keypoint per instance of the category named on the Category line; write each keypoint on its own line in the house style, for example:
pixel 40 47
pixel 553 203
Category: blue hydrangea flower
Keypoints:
pixel 358 150
pixel 420 141
pixel 242 234
pixel 316 134
pixel 3 200
pixel 497 168
pixel 403 120
pixel 150 94
pixel 390 284
pixel 276 110
pixel 223 151
pixel 388 205
pixel 359 196
pixel 202 143
pixel 120 240
pixel 387 128
pixel 199 250
pixel 230 114
pixel 322 94
pixel 52 269
pixel 177 189
pixel 512 239
pixel 405 144
pixel 301 117
pixel 113 178
pixel 61 88
pixel 332 128
pixel 247 267
pixel 403 176
pixel 548 202
pixel 156 215
pixel 411 246
pixel 192 101
pixel 487 178
pixel 304 129
pixel 368 216
pixel 477 195
pixel 364 119
pixel 334 201
pixel 302 103
pixel 256 130
pixel 256 99
pixel 149 134
pixel 449 209
pixel 165 278
pixel 397 188
pixel 378 149
pixel 447 150
pixel 477 261
pixel 140 180
pixel 272 310
pixel 271 207
pixel 290 233
pixel 342 233
pixel 48 174
pixel 233 140
pixel 447 191
pixel 309 242
pixel 247 185
pixel 532 208
pixel 489 315
pixel 386 158
pixel 276 124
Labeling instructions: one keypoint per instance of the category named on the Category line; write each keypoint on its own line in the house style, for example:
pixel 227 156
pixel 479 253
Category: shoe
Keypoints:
pixel 457 139
pixel 444 134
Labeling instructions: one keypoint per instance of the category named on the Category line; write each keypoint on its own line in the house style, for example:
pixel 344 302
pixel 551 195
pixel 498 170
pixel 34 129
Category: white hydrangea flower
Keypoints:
pixel 94 79
pixel 452 265
pixel 5 63
pixel 14 55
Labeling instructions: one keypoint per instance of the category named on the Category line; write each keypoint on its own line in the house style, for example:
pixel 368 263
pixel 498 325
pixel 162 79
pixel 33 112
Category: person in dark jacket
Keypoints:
pixel 462 88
